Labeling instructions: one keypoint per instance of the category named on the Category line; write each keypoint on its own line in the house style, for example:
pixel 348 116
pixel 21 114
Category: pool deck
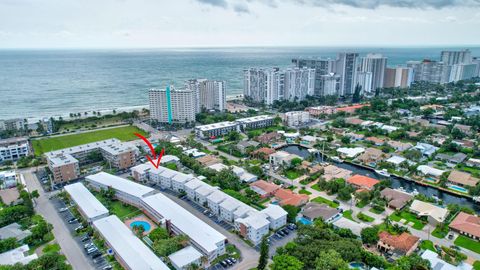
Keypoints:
pixel 128 222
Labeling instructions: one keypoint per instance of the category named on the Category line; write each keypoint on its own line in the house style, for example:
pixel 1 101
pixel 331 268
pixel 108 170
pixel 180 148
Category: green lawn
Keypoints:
pixel 292 174
pixel 361 204
pixel 51 248
pixel 118 208
pixel 54 143
pixel 348 214
pixel 364 217
pixel 375 211
pixel 304 191
pixel 468 243
pixel 409 217
pixel 427 244
pixel 316 187
pixel 325 201
pixel 439 233
pixel 476 265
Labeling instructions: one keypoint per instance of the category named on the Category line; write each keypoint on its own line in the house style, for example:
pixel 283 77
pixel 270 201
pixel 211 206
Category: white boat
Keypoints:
pixel 415 192
pixel 337 159
pixel 476 199
pixel 383 172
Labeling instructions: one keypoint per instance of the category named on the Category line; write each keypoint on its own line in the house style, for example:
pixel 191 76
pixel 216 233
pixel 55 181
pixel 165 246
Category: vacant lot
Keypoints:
pixel 54 143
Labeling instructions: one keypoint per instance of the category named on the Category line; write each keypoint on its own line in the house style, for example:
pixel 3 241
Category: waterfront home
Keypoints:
pixel 355 137
pixel 453 160
pixel 269 137
pixel 426 149
pixel 312 211
pixel 333 172
pixel 353 226
pixel 396 199
pixel 288 197
pixel 473 162
pixel 353 121
pixel 362 182
pixel 462 179
pixel 350 152
pixel 263 153
pixel 371 156
pixel 466 224
pixel 434 214
pixel 376 141
pixel 264 189
pixel 280 158
pixel 401 245
pixel 399 146
pixel 437 263
pixel 389 128
pixel 433 173
pixel 396 160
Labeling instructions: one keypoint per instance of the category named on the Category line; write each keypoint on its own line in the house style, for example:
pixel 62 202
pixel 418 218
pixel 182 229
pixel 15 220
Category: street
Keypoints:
pixel 70 248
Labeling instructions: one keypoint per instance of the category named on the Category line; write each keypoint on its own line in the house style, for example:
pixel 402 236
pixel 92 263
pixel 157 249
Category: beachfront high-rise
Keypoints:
pixel 210 94
pixel 456 57
pixel 268 85
pixel 346 67
pixel 173 106
pixel 322 67
pixel 376 64
pixel 400 76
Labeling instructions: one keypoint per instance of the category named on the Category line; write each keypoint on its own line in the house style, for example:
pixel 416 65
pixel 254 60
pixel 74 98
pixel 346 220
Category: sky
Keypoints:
pixel 224 23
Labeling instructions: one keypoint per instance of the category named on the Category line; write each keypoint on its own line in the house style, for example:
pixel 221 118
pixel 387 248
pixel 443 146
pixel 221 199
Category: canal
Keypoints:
pixel 409 186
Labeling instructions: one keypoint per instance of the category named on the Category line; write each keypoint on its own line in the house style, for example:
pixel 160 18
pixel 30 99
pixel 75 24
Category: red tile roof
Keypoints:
pixel 288 197
pixel 265 186
pixel 403 242
pixel 466 223
pixel 362 181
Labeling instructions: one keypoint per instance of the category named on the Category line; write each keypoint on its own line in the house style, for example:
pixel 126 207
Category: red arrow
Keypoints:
pixel 154 155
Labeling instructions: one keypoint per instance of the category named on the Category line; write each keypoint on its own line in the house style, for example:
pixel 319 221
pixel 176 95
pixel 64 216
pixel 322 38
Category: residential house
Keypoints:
pixel 353 121
pixel 333 172
pixel 280 158
pixel 426 149
pixel 362 182
pixel 396 199
pixel 396 160
pixel 14 230
pixel 376 141
pixel 433 173
pixel 355 137
pixel 434 214
pixel 350 152
pixel 401 245
pixel 453 160
pixel 473 162
pixel 264 189
pixel 462 179
pixel 371 156
pixel 464 129
pixel 208 160
pixel 269 137
pixel 466 224
pixel 310 168
pixel 288 197
pixel 263 153
pixel 244 145
pixel 465 143
pixel 399 146
pixel 312 211
pixel 437 263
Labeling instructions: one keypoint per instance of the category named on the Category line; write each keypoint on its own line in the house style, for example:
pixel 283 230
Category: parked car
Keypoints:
pixel 233 260
pixel 79 228
pixel 91 250
pixel 229 262
pixel 223 263
pixel 88 245
pixel 73 220
pixel 85 238
pixel 107 267
pixel 285 231
pixel 96 254
pixel 63 209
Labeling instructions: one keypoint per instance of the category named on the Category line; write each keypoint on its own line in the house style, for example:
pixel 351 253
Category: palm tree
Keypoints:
pixel 387 221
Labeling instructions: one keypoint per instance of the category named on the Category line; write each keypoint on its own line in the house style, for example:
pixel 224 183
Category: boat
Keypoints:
pixel 415 192
pixel 383 172
pixel 337 159
pixel 476 199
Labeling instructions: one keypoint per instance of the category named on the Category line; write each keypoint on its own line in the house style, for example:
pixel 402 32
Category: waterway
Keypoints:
pixel 397 182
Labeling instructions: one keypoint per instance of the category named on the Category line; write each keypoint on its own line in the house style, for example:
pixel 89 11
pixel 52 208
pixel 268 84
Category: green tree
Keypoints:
pixel 369 235
pixel 295 162
pixel 330 260
pixel 286 262
pixel 292 212
pixel 263 260
pixel 158 234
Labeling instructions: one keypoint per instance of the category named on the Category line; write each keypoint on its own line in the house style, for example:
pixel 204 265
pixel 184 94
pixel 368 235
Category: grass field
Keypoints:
pixel 348 214
pixel 427 244
pixel 476 265
pixel 304 191
pixel 292 174
pixel 364 217
pixel 54 143
pixel 468 243
pixel 409 217
pixel 325 201
pixel 439 233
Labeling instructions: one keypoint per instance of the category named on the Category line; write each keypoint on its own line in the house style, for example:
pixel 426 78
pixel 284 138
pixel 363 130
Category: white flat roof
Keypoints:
pixel 255 220
pixel 345 223
pixel 85 200
pixel 274 211
pixel 197 230
pixel 254 119
pixel 216 126
pixel 438 264
pixel 184 257
pixel 127 245
pixel 217 196
pixel 231 204
pixel 120 184
pixel 17 255
pixel 193 184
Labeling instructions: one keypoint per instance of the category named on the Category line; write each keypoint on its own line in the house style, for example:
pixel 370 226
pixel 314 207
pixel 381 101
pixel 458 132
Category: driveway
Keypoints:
pixel 70 248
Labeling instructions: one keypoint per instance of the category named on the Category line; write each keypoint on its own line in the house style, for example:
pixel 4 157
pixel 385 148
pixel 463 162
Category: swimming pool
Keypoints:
pixel 146 226
pixel 304 221
pixel 457 188
pixel 357 265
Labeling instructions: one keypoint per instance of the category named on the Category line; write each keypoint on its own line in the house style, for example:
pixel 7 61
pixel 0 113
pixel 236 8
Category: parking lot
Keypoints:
pixel 84 240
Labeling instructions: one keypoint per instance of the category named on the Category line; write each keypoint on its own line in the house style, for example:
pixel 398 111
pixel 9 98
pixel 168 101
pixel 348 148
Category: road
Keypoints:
pixel 70 248
pixel 249 255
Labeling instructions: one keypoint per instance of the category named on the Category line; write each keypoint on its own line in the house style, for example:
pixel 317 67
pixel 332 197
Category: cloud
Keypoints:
pixel 215 3
pixel 364 4
pixel 241 8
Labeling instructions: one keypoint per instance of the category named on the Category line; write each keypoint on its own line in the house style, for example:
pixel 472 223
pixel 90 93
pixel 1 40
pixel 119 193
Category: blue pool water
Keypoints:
pixel 145 224
pixel 357 265
pixel 304 221
pixel 457 188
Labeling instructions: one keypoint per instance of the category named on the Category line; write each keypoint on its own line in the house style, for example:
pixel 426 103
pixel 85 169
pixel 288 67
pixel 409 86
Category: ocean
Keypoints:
pixel 44 83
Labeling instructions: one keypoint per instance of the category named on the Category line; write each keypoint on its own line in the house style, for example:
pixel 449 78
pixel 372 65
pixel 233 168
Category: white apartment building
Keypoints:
pixel 214 200
pixel 173 106
pixel 364 80
pixel 215 130
pixel 89 206
pixel 275 215
pixel 345 66
pixel 13 124
pixel 253 227
pixel 14 148
pixel 299 83
pixel 376 64
pixel 296 118
pixel 329 84
pixel 211 94
pixel 456 57
pixel 191 186
pixel 228 207
pixel 259 121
